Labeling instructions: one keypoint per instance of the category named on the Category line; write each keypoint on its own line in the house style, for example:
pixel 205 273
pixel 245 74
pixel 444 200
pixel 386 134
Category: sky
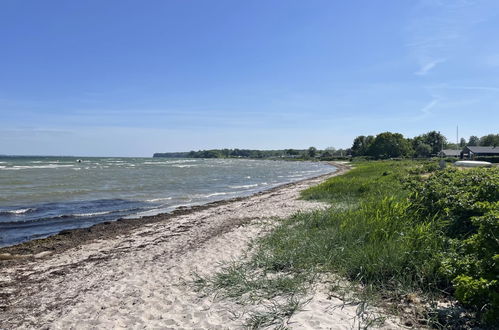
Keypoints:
pixel 130 78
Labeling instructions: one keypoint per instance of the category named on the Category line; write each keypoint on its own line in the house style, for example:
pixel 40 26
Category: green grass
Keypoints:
pixel 370 235
pixel 367 178
pixel 274 314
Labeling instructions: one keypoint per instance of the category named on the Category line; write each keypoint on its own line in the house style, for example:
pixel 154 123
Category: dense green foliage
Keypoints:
pixel 361 145
pixel 465 205
pixel 389 145
pixel 491 140
pixel 430 143
pixel 394 145
pixel 310 153
pixel 394 227
pixel 382 146
pixel 428 232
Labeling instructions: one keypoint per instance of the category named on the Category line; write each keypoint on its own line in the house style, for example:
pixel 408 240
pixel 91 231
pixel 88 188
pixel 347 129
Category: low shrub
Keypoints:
pixel 465 206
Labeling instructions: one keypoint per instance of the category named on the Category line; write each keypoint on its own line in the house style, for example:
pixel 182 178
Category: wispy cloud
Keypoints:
pixel 428 66
pixel 439 30
pixel 426 110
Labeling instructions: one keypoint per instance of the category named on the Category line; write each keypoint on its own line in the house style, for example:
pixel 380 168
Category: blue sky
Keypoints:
pixel 130 78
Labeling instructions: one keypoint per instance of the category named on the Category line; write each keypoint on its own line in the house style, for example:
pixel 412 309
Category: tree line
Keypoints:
pixel 309 153
pixel 234 153
pixel 394 145
pixel 382 146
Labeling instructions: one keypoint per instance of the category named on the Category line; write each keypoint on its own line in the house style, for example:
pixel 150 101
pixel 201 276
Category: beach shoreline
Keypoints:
pixel 143 277
pixel 70 238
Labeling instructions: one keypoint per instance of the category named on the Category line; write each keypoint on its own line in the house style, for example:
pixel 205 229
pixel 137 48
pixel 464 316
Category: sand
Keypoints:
pixel 141 278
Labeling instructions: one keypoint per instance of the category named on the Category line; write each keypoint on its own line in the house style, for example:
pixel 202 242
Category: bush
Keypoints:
pixel 465 205
pixel 444 233
pixel 452 196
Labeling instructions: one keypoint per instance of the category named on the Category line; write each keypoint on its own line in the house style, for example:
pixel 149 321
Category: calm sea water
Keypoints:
pixel 40 196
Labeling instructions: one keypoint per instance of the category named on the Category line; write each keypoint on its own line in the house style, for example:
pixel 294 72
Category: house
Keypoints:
pixel 449 153
pixel 470 152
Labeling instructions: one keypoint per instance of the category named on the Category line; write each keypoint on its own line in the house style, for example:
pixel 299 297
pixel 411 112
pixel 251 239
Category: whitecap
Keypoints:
pixel 19 211
pixel 182 166
pixel 245 186
pixel 41 166
pixel 91 214
pixel 159 199
pixel 217 194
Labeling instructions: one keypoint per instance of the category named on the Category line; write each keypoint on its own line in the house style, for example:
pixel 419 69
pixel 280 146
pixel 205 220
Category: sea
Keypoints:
pixel 41 196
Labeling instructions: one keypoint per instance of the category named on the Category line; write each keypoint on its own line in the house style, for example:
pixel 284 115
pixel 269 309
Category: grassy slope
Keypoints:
pixel 364 236
pixel 369 235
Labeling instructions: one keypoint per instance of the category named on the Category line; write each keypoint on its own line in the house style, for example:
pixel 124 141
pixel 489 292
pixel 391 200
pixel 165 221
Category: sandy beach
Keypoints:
pixel 139 275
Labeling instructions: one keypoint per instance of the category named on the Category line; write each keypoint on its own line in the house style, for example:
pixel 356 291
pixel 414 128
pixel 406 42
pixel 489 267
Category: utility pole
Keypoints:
pixel 441 145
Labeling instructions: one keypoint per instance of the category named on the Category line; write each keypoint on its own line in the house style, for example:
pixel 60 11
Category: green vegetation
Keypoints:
pixel 491 140
pixel 393 145
pixel 394 228
pixel 382 146
pixel 234 153
pixel 297 154
pixel 466 207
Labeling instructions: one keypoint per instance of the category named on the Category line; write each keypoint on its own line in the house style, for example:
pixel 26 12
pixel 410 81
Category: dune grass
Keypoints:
pixel 372 235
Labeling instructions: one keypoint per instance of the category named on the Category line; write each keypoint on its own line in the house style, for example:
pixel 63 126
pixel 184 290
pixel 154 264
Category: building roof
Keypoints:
pixel 451 152
pixel 484 150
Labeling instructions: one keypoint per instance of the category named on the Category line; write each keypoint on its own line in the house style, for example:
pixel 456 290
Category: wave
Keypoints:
pixel 90 214
pixel 182 161
pixel 41 166
pixel 182 166
pixel 217 194
pixel 159 199
pixel 245 186
pixel 18 211
pixel 51 220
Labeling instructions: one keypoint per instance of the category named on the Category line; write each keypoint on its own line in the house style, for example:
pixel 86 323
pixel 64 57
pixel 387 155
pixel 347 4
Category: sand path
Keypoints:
pixel 141 279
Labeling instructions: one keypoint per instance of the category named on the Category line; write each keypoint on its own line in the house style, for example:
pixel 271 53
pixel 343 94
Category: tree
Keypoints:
pixel 326 154
pixel 490 140
pixel 462 143
pixel 389 145
pixel 434 139
pixel 473 141
pixel 311 152
pixel 422 150
pixel 361 145
pixel 331 150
